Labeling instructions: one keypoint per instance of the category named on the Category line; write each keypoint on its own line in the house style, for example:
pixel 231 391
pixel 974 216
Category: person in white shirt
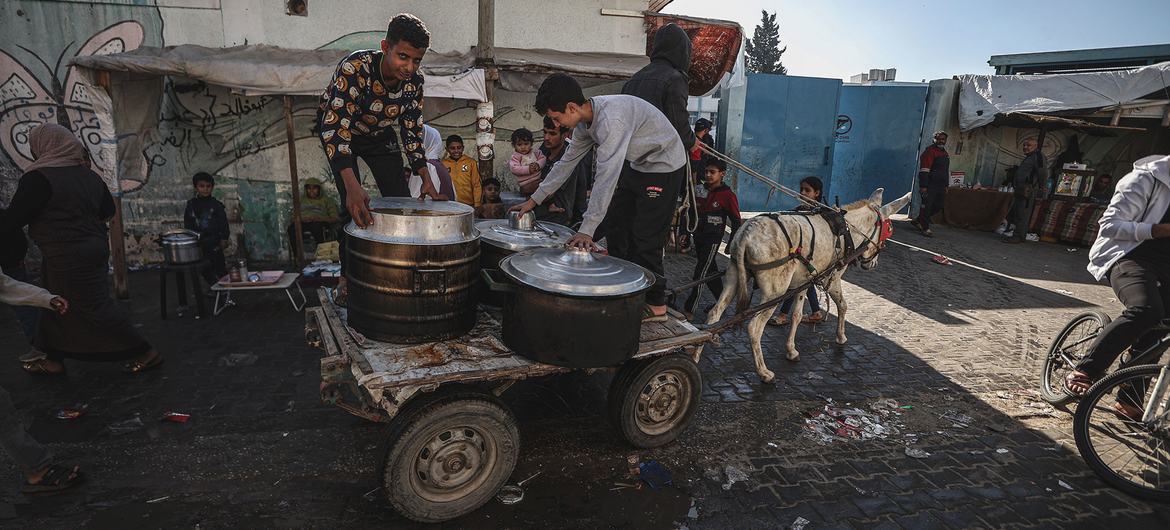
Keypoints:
pixel 1132 251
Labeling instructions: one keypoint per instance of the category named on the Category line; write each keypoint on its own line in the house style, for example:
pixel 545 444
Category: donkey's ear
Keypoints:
pixel 876 198
pixel 894 207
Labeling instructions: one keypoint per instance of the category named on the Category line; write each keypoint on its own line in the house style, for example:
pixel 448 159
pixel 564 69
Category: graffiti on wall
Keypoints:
pixel 26 102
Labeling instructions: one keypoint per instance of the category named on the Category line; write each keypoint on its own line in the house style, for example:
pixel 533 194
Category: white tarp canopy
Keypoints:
pixel 982 97
pixel 261 69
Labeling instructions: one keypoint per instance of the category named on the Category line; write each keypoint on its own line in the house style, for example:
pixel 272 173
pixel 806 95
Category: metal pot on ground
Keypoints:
pixel 412 274
pixel 501 238
pixel 180 246
pixel 571 307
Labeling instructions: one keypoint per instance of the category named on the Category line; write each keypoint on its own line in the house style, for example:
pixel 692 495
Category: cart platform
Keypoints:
pixel 373 379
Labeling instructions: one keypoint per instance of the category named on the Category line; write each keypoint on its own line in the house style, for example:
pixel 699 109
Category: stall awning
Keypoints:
pixel 261 69
pixel 983 97
pixel 715 46
pixel 1052 123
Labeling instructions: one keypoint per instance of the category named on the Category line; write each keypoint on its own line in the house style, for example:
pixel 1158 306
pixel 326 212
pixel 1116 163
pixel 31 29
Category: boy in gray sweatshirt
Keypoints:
pixel 640 167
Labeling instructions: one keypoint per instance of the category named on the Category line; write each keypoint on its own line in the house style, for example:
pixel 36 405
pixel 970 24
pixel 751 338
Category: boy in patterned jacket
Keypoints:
pixel 370 92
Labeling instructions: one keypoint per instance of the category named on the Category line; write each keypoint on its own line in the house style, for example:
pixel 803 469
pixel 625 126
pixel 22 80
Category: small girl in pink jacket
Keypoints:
pixel 526 162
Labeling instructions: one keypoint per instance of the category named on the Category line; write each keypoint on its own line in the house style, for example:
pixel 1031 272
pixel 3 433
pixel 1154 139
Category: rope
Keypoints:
pixel 693 222
pixel 780 187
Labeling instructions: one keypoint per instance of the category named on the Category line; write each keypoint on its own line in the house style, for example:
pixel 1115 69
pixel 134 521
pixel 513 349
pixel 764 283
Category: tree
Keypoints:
pixel 763 50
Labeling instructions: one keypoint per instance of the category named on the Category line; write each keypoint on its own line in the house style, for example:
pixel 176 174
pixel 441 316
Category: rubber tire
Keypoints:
pixel 626 386
pixel 1062 398
pixel 470 406
pixel 1097 393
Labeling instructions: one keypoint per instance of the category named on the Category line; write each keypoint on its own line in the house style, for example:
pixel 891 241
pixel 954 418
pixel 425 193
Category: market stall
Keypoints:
pixel 981 209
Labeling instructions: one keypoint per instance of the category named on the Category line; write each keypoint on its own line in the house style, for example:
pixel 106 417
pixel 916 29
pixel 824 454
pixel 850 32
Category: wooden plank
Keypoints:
pixel 345 342
pixel 697 337
pixel 328 340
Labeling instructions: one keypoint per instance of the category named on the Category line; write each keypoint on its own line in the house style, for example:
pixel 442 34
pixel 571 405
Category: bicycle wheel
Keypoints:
pixel 1066 350
pixel 1130 455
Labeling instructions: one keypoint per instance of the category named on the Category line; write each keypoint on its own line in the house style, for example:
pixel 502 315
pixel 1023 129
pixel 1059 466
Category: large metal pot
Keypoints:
pixel 501 238
pixel 412 274
pixel 180 246
pixel 571 307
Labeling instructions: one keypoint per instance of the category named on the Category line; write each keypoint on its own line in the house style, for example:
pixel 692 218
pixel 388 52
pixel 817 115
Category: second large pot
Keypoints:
pixel 500 238
pixel 572 308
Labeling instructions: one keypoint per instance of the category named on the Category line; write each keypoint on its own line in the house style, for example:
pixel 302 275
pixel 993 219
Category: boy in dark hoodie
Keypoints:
pixel 206 215
pixel 718 207
pixel 663 82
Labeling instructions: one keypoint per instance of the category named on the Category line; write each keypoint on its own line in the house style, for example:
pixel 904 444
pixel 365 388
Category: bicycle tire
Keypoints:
pixel 1082 423
pixel 1052 362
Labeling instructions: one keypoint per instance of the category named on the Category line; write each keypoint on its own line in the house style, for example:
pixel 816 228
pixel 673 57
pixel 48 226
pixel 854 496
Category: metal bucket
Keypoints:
pixel 412 274
pixel 180 246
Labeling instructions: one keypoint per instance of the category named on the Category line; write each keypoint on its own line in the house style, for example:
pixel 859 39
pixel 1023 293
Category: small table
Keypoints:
pixel 285 283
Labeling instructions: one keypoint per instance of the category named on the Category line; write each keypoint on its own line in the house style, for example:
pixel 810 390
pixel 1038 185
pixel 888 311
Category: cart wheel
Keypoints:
pixel 449 455
pixel 652 401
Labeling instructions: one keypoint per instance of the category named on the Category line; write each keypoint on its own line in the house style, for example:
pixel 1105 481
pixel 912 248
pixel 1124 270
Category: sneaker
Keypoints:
pixel 33 355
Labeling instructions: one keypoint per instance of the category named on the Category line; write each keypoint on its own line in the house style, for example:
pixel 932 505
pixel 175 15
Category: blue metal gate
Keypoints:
pixel 876 144
pixel 781 126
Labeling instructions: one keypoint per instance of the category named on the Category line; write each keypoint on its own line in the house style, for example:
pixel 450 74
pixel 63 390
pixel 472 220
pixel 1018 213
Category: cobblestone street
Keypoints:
pixel 955 347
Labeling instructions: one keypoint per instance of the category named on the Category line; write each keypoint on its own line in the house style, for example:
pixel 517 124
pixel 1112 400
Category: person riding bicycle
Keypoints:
pixel 1132 250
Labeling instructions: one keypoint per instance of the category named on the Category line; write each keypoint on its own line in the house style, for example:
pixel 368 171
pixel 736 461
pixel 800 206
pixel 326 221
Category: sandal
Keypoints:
pixel 1078 379
pixel 40 368
pixel 137 367
pixel 56 479
pixel 649 316
pixel 814 318
pixel 1128 412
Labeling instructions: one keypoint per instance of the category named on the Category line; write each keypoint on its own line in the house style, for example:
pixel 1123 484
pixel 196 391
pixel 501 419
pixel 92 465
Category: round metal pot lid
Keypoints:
pixel 500 233
pixel 410 221
pixel 180 236
pixel 576 272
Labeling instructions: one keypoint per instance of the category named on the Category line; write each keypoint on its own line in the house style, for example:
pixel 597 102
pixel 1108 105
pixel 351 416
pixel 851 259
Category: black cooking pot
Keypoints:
pixel 571 308
pixel 501 238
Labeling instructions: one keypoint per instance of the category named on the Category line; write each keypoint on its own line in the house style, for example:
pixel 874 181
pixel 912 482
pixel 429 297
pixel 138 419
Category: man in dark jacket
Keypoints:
pixel 934 174
pixel 1030 177
pixel 663 82
pixel 569 202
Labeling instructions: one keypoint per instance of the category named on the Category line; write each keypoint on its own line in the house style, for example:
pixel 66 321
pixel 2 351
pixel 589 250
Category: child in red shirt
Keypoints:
pixel 718 207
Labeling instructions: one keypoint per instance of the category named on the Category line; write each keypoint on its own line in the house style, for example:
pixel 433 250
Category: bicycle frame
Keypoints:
pixel 1160 398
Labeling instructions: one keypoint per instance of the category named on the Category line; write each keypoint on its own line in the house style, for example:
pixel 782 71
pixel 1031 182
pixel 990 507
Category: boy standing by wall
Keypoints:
pixel 568 204
pixel 640 166
pixel 464 173
pixel 206 215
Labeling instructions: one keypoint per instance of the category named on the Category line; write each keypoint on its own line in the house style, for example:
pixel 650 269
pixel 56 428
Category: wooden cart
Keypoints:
pixel 453 443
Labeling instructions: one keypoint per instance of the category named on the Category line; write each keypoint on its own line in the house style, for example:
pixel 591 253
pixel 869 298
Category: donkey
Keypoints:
pixel 786 249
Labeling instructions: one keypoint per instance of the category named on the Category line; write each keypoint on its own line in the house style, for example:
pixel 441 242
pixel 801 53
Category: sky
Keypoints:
pixel 936 40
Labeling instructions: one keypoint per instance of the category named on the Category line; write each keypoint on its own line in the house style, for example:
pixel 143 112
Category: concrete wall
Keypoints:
pixel 241 140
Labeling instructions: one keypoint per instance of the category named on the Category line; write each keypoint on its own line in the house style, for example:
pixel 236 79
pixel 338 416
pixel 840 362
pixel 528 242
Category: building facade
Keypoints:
pixel 239 139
